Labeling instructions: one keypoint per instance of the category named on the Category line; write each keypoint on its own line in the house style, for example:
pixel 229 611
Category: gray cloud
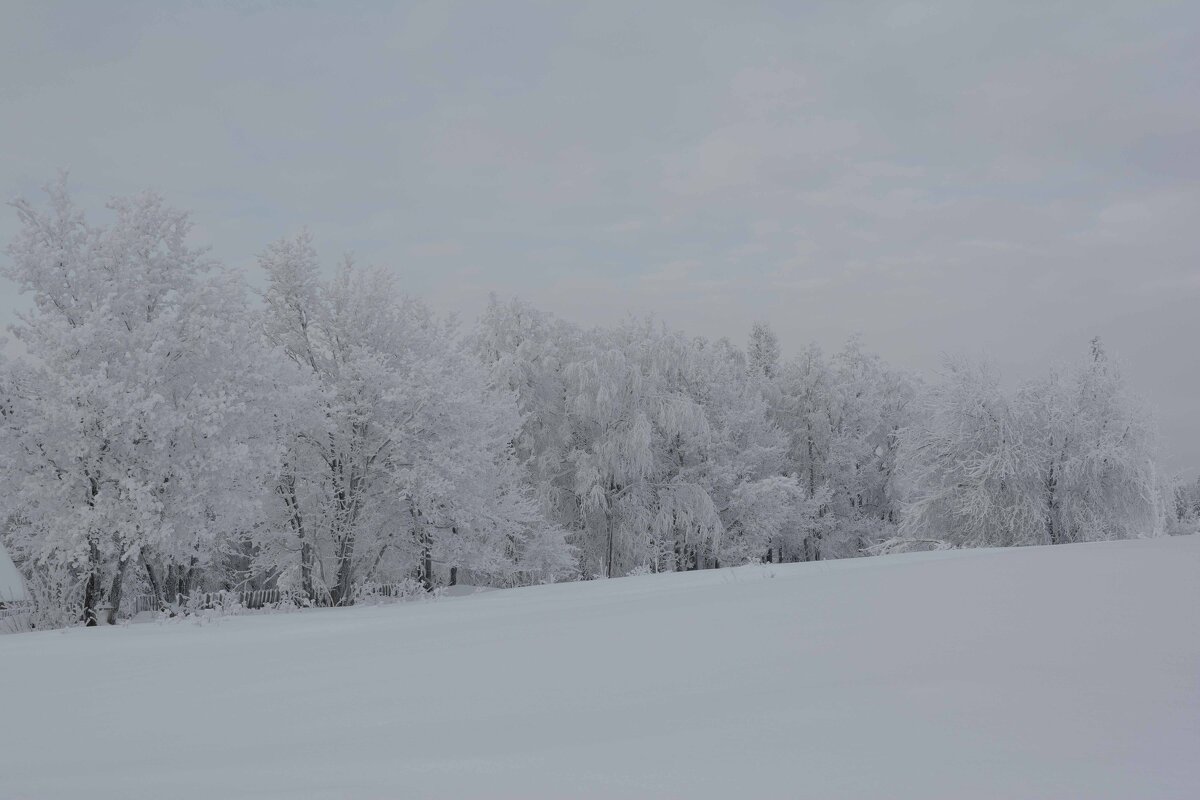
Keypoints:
pixel 939 176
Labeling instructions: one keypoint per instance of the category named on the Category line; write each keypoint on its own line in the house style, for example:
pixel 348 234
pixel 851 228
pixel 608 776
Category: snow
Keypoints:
pixel 12 588
pixel 1071 671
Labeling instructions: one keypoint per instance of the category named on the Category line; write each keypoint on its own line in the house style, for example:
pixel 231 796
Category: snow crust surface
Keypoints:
pixel 1057 672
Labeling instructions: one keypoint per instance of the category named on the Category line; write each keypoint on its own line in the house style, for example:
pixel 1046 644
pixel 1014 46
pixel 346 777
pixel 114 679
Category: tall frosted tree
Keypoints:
pixel 841 415
pixel 1098 452
pixel 404 459
pixel 134 447
pixel 654 448
pixel 763 350
pixel 969 471
pixel 1068 457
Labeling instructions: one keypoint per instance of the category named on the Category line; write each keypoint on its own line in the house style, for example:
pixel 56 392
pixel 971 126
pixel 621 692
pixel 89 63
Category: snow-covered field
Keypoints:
pixel 1066 672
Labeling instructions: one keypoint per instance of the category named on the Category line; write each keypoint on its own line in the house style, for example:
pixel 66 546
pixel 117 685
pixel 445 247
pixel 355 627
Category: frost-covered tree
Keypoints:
pixel 611 452
pixel 656 449
pixel 404 459
pixel 841 415
pixel 968 472
pixel 1069 457
pixel 1098 453
pixel 1186 506
pixel 134 446
pixel 804 412
pixel 527 353
pixel 764 508
pixel 763 350
pixel 870 404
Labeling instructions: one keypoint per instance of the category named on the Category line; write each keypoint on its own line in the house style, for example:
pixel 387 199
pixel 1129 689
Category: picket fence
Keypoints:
pixel 256 599
pixel 259 598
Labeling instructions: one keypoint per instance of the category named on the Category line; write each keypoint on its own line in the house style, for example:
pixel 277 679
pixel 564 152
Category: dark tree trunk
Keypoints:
pixel 608 558
pixel 187 575
pixel 349 485
pixel 114 592
pixel 306 569
pixel 171 591
pixel 1053 535
pixel 812 469
pixel 425 543
pixel 427 568
pixel 91 589
pixel 345 575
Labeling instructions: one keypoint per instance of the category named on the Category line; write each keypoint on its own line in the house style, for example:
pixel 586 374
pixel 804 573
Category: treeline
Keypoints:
pixel 171 432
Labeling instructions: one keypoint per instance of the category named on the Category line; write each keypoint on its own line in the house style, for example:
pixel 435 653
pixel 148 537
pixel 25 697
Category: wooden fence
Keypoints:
pixel 258 598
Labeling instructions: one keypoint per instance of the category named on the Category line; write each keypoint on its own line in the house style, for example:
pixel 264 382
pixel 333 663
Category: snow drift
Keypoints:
pixel 1057 672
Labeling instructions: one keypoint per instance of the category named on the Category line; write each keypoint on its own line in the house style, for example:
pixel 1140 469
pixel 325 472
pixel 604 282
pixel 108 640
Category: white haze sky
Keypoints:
pixel 982 177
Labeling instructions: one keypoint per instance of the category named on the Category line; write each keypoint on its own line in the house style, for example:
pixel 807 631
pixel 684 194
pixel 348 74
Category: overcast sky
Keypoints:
pixel 983 178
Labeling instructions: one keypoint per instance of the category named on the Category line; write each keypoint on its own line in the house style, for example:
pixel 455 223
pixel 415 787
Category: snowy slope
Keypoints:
pixel 1064 672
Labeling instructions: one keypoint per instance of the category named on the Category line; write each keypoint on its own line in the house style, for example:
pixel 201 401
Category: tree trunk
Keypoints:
pixel 171 592
pixel 347 496
pixel 114 592
pixel 345 574
pixel 155 586
pixel 186 577
pixel 306 570
pixel 812 468
pixel 608 560
pixel 287 488
pixel 421 533
pixel 1053 534
pixel 91 590
pixel 427 568
pixel 345 568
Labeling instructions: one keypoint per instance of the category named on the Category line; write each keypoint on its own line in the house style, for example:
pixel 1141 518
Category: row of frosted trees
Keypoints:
pixel 167 430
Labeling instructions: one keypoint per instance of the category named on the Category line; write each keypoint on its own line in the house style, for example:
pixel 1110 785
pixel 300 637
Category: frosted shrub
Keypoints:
pixel 371 592
pixel 55 599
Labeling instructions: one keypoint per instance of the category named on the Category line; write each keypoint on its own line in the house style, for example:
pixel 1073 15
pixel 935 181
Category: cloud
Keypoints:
pixel 1004 176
